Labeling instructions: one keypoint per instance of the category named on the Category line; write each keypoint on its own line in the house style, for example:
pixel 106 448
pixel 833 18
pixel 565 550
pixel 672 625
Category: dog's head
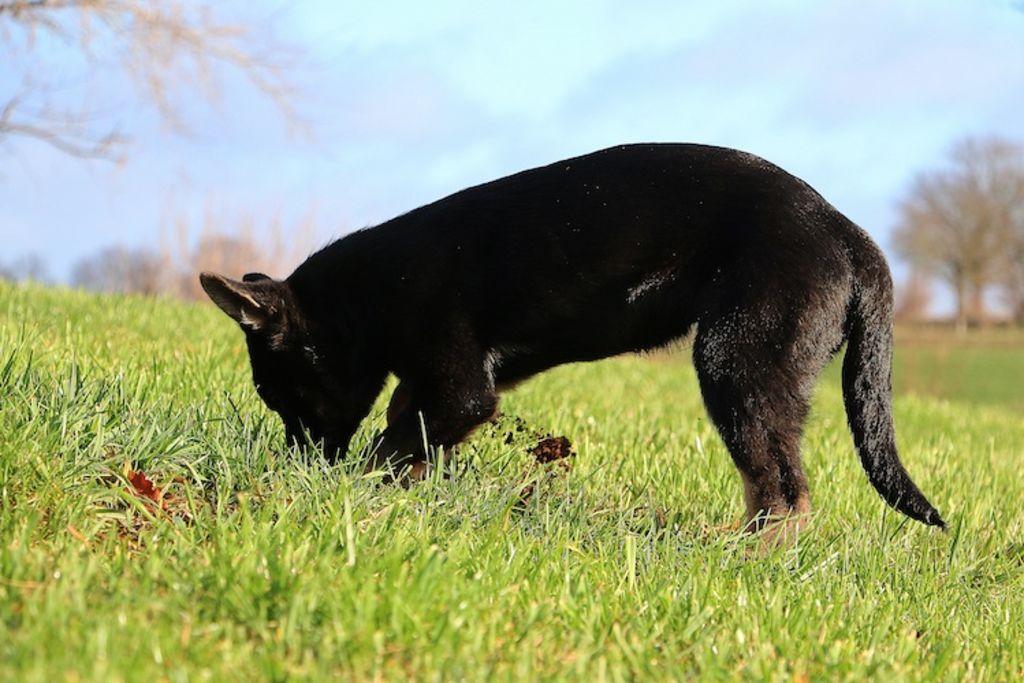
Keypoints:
pixel 295 365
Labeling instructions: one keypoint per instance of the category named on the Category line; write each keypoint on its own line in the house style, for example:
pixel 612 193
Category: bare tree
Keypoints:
pixel 956 223
pixel 231 254
pixel 117 269
pixel 913 299
pixel 231 243
pixel 167 51
pixel 1013 282
pixel 1012 279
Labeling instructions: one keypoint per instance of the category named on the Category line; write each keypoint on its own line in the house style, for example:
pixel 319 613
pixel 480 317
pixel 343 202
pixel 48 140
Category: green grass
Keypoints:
pixel 266 566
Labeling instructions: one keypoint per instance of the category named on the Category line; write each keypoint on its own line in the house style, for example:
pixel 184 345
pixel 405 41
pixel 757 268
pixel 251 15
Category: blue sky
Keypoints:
pixel 409 101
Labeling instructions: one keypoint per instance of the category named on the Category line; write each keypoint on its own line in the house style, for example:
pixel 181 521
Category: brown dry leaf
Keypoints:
pixel 156 498
pixel 143 487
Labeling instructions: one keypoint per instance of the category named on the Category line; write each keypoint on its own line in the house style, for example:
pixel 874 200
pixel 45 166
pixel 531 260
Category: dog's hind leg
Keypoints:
pixel 757 366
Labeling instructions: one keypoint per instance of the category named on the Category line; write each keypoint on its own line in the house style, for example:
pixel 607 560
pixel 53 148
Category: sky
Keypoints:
pixel 406 102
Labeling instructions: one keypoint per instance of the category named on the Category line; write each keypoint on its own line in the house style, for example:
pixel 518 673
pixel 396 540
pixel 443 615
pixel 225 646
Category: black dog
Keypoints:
pixel 620 250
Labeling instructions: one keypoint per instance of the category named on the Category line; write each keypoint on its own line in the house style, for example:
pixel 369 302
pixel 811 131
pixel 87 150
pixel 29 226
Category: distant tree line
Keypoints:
pixel 172 268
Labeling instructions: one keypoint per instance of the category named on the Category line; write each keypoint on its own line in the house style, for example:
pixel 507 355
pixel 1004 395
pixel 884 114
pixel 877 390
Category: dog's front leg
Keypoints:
pixel 425 416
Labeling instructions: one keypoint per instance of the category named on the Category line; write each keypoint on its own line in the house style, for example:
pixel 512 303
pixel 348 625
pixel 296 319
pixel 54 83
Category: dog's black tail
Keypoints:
pixel 867 388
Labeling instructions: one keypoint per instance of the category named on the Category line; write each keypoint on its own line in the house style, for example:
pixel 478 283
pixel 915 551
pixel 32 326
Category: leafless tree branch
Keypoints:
pixel 167 49
pixel 66 134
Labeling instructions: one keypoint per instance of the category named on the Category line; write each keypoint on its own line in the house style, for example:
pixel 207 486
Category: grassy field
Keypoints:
pixel 233 559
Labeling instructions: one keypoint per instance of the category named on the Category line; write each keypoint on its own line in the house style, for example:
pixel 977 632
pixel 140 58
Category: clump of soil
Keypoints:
pixel 552 453
pixel 551 449
pixel 545 447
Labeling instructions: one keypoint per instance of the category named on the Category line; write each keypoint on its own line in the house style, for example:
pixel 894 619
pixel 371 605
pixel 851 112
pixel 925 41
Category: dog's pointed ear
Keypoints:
pixel 255 303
